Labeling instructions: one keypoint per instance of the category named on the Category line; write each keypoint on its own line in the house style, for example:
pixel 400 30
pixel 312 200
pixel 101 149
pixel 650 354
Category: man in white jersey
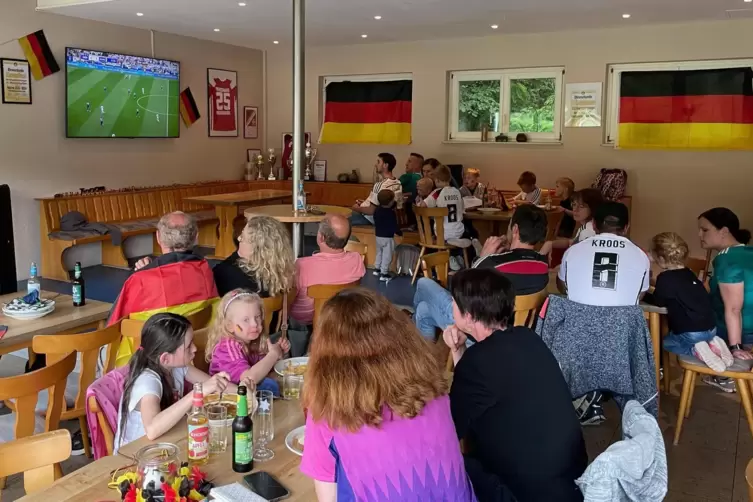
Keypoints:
pixel 606 269
pixel 363 210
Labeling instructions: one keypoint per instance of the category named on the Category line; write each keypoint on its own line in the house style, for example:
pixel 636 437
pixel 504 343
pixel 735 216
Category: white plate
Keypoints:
pixel 294 434
pixel 488 210
pixel 295 361
pixel 28 317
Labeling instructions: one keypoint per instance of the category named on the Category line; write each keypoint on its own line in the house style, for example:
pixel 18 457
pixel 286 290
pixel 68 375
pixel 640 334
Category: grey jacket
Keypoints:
pixel 601 348
pixel 634 469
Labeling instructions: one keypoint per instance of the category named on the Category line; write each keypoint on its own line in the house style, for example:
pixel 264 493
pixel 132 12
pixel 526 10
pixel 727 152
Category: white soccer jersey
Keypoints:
pixel 386 184
pixel 605 270
pixel 450 198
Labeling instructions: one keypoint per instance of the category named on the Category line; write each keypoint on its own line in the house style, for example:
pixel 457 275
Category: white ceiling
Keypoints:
pixel 340 22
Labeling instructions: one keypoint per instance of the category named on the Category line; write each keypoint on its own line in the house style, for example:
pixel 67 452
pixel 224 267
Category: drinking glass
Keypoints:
pixel 263 426
pixel 218 425
pixel 291 383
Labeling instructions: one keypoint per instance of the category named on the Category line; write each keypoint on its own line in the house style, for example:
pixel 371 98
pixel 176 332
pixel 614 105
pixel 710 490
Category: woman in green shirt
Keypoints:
pixel 731 283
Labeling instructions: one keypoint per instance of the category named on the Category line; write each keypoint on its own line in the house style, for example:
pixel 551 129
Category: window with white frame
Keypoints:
pixel 508 101
pixel 614 78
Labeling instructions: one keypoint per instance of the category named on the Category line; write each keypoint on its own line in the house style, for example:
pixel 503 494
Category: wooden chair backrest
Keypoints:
pixel 137 205
pixel 437 264
pixel 131 328
pixel 25 389
pixel 35 456
pixel 271 305
pixel 56 347
pixel 320 293
pixel 553 220
pixel 104 425
pixel 527 307
pixel 200 337
pixel 358 247
pixel 700 266
pixel 428 218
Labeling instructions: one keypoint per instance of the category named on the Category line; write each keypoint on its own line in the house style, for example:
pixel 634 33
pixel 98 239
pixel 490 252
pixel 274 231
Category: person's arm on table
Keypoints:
pixel 195 375
pixel 732 296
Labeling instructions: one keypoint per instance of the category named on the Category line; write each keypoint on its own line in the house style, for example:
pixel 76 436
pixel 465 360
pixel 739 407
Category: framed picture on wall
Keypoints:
pixel 252 154
pixel 15 76
pixel 222 97
pixel 250 122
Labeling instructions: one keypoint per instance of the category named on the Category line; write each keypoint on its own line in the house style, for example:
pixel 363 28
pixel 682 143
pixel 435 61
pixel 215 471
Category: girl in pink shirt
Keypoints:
pixel 238 343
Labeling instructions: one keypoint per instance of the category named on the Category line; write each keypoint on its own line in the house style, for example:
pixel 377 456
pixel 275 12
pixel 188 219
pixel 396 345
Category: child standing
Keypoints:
pixel 385 229
pixel 691 318
pixel 471 186
pixel 564 188
pixel 449 197
pixel 529 192
pixel 238 344
pixel 152 401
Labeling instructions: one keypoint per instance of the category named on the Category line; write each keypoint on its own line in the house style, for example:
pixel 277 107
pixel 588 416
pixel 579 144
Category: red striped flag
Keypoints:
pixel 39 55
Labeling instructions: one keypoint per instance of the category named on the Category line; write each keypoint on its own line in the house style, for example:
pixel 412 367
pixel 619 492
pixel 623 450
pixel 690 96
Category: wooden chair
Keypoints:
pixel 740 372
pixel 56 347
pixel 700 266
pixel 437 265
pixel 200 340
pixel 553 221
pixel 749 480
pixel 131 328
pixel 358 247
pixel 104 425
pixel 36 457
pixel 320 293
pixel 430 219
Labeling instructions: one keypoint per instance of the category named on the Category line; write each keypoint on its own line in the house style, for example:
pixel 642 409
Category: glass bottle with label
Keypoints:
pixel 300 204
pixel 78 288
pixel 198 429
pixel 243 435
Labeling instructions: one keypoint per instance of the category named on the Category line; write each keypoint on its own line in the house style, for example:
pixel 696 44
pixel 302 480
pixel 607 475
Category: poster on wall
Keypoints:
pixel 287 149
pixel 250 122
pixel 583 105
pixel 222 96
pixel 16 81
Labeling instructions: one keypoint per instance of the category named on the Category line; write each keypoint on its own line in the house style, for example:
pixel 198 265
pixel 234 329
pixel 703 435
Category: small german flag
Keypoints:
pixel 188 109
pixel 368 112
pixel 687 109
pixel 39 55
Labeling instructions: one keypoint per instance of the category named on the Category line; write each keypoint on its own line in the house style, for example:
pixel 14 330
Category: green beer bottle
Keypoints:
pixel 243 435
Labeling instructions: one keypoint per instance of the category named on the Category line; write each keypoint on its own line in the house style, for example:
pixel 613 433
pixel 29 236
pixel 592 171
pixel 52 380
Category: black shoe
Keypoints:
pixel 594 415
pixel 77 443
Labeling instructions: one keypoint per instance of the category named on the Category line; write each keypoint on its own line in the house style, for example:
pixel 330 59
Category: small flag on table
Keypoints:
pixel 39 55
pixel 188 109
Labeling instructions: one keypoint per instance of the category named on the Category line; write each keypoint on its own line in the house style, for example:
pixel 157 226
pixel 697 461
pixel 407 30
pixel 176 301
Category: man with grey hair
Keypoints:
pixel 332 265
pixel 177 281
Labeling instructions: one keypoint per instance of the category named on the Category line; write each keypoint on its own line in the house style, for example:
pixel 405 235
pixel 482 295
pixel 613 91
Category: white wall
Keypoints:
pixel 36 159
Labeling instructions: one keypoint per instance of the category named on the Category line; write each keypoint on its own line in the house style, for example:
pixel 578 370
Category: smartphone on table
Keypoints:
pixel 266 485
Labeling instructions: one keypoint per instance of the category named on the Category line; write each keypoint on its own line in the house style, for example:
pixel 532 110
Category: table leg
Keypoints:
pixel 666 356
pixel 225 245
pixel 654 327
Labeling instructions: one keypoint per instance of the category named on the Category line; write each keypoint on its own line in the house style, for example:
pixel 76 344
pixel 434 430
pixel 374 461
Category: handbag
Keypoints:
pixel 611 183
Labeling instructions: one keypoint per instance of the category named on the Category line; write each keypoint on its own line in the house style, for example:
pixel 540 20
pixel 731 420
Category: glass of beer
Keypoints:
pixel 218 425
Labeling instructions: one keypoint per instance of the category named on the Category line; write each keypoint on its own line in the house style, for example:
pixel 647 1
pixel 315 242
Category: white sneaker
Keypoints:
pixel 719 347
pixel 455 264
pixel 703 352
pixel 376 273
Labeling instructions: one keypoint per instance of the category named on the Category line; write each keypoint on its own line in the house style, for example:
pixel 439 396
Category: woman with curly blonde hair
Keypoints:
pixel 378 411
pixel 264 262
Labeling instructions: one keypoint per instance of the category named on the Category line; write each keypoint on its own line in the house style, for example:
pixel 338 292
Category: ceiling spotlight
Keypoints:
pixel 380 17
pixel 216 29
pixel 626 16
pixel 139 14
pixel 364 35
pixel 241 4
pixel 276 42
pixel 495 26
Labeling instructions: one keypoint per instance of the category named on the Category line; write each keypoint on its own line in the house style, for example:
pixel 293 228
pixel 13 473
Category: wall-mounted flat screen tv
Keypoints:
pixel 110 95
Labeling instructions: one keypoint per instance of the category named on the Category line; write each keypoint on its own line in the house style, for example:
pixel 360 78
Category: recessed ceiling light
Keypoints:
pixel 276 42
pixel 748 1
pixel 495 26
pixel 139 14
pixel 241 4
pixel 626 16
pixel 364 35
pixel 216 29
pixel 380 17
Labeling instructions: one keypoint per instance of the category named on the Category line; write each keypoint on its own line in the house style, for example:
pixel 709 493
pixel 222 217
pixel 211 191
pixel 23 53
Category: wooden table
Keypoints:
pixel 227 206
pixel 90 482
pixel 285 213
pixel 494 222
pixel 66 317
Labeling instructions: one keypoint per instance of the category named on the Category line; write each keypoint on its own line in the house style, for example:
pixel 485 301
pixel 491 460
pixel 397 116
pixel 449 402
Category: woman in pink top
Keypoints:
pixel 332 265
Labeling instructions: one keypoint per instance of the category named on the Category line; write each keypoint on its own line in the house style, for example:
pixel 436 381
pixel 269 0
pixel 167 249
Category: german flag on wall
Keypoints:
pixel 188 109
pixel 39 55
pixel 368 112
pixel 694 109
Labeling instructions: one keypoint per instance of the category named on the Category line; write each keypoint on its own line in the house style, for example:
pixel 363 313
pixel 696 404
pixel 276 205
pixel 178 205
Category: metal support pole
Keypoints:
pixel 299 77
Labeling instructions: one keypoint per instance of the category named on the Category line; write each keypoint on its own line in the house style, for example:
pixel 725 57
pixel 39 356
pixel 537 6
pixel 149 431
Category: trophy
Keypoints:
pixel 271 158
pixel 310 154
pixel 260 166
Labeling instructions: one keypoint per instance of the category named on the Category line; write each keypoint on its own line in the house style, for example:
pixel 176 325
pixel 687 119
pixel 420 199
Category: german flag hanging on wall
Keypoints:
pixel 694 109
pixel 39 55
pixel 188 108
pixel 368 112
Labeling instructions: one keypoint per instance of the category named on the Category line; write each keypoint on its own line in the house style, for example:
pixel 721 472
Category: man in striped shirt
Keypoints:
pixel 363 210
